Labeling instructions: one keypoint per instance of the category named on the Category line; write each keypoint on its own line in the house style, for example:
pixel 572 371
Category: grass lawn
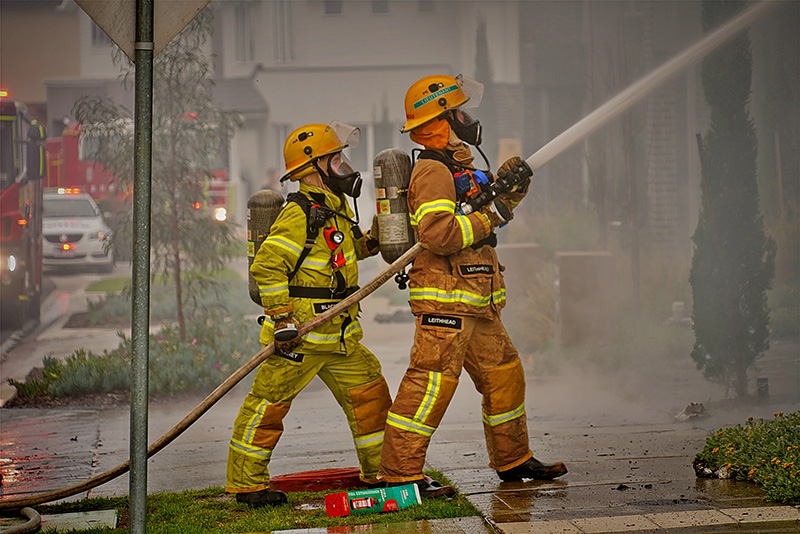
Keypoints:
pixel 117 284
pixel 214 511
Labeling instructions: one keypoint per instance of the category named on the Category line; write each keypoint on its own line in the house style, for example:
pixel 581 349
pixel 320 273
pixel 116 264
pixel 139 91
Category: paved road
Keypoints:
pixel 629 458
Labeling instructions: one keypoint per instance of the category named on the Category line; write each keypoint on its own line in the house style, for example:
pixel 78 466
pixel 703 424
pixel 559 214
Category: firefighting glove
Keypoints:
pixel 518 174
pixel 286 335
pixel 372 236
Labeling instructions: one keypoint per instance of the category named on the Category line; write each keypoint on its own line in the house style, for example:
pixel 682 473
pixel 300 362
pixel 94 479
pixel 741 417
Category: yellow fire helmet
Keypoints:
pixel 308 143
pixel 431 96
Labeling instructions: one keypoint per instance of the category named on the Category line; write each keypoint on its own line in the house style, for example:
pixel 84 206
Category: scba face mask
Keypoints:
pixel 465 126
pixel 341 177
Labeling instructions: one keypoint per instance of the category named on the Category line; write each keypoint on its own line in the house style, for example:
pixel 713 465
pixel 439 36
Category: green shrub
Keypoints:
pixel 764 452
pixel 222 295
pixel 216 348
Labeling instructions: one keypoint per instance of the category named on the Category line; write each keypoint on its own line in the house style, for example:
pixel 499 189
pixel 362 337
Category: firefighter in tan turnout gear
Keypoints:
pixel 307 264
pixel 456 291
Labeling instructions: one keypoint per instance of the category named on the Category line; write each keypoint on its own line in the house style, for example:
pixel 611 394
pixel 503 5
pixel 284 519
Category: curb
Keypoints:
pixel 777 516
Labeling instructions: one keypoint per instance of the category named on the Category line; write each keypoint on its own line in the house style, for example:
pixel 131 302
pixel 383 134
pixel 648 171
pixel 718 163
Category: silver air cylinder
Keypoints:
pixel 392 172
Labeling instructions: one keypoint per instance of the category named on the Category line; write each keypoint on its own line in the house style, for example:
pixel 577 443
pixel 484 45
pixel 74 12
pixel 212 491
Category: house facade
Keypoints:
pixel 284 63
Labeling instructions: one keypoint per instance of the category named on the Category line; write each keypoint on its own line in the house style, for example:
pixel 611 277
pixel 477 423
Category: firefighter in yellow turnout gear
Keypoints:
pixel 307 264
pixel 456 291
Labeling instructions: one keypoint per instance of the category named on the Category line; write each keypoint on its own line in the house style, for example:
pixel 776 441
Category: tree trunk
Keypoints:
pixel 741 376
pixel 176 273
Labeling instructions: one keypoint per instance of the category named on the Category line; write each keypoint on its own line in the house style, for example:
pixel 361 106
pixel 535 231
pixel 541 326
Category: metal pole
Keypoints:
pixel 140 312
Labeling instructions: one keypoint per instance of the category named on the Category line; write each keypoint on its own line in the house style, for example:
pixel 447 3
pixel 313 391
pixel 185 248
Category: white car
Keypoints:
pixel 75 232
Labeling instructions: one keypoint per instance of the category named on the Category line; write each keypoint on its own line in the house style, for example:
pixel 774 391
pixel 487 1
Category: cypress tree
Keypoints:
pixel 734 262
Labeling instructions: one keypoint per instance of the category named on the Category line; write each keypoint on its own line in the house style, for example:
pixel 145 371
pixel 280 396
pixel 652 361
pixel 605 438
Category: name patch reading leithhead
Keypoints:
pixel 444 321
pixel 476 269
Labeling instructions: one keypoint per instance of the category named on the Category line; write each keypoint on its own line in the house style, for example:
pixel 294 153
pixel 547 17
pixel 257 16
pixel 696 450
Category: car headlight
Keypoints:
pixel 220 214
pixel 10 263
pixel 97 235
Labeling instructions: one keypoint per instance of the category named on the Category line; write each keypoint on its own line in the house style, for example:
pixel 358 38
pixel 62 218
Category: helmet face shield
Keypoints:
pixel 472 89
pixel 348 135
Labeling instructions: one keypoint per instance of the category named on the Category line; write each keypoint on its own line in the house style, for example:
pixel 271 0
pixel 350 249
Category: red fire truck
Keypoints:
pixel 71 164
pixel 22 168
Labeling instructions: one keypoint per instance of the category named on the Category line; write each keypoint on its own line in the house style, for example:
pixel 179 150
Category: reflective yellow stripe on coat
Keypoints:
pixel 456 296
pixel 447 206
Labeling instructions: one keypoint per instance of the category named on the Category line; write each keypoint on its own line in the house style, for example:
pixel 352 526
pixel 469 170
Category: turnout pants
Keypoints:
pixel 357 384
pixel 444 344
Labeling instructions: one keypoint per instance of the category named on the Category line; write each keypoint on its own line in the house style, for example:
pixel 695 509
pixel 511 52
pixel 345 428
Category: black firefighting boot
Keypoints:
pixel 533 468
pixel 428 487
pixel 266 497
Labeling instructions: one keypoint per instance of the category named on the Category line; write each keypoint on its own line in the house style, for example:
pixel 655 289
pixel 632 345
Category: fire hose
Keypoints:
pixel 600 116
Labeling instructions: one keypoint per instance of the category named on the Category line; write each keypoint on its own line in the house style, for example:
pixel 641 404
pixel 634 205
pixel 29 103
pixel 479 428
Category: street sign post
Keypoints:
pixel 118 19
pixel 141 28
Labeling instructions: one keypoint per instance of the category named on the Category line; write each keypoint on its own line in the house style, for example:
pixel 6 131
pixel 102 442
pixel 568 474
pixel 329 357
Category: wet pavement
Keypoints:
pixel 629 457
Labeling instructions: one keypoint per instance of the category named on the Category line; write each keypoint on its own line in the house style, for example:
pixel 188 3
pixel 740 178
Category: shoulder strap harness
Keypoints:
pixel 317 212
pixel 456 168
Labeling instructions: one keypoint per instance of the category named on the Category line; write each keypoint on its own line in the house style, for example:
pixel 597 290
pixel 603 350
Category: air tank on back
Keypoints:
pixel 263 208
pixel 392 172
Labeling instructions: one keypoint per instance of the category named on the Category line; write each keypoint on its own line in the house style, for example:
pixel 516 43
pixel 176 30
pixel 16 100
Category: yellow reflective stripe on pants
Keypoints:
pixel 368 440
pixel 252 424
pixel 404 423
pixel 258 453
pixel 499 419
pixel 431 394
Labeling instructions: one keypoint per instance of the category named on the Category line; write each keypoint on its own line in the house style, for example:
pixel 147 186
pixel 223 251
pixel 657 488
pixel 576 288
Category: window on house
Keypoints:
pixel 426 6
pixel 333 7
pixel 380 6
pixel 99 37
pixel 245 41
pixel 282 31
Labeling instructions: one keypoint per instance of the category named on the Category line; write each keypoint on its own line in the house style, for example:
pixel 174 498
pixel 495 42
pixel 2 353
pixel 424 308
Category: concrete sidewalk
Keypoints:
pixel 628 456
